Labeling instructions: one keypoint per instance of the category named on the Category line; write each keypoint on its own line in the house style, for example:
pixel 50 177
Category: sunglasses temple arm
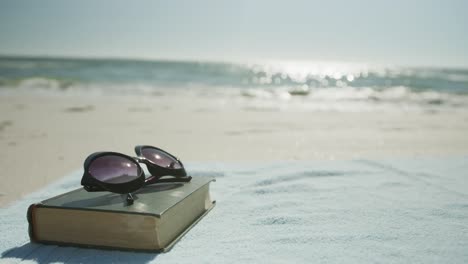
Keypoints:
pixel 129 199
pixel 176 179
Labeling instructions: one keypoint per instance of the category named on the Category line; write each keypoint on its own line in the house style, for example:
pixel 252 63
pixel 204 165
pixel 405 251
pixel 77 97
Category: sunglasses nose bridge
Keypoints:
pixel 140 159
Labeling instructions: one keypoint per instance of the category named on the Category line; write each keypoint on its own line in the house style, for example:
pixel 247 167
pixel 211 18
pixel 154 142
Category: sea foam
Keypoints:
pixel 283 85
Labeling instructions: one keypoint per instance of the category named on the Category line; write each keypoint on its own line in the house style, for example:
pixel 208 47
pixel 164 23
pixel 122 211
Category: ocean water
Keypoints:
pixel 294 85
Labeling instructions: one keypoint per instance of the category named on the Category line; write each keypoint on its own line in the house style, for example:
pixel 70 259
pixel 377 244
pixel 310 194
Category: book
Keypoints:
pixel 160 215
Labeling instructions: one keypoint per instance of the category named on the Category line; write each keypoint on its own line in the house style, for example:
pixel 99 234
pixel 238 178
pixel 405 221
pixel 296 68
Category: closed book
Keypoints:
pixel 160 215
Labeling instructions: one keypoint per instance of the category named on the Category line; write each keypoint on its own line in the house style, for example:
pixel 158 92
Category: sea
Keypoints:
pixel 280 85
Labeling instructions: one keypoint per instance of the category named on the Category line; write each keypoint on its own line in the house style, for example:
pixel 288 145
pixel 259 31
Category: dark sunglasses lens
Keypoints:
pixel 113 169
pixel 160 158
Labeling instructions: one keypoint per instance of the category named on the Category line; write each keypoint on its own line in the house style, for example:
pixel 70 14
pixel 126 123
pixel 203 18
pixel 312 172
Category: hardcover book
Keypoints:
pixel 160 215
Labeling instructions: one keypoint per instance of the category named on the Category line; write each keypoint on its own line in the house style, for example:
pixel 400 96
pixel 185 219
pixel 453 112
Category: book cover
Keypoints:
pixel 160 215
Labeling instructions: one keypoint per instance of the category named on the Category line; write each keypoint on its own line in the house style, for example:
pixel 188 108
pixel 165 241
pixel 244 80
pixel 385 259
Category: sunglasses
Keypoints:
pixel 118 173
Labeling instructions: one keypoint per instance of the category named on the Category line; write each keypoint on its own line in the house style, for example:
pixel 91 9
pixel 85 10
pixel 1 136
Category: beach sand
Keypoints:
pixel 42 138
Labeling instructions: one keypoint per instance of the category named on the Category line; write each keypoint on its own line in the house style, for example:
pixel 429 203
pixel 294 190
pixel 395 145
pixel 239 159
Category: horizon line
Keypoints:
pixel 215 61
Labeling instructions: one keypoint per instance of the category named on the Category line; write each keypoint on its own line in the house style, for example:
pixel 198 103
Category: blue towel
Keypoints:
pixel 404 211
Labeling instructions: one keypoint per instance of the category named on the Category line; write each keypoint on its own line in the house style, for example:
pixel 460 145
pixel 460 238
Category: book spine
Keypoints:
pixel 31 225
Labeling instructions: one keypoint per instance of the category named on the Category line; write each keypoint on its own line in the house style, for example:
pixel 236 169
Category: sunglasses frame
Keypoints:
pixel 92 184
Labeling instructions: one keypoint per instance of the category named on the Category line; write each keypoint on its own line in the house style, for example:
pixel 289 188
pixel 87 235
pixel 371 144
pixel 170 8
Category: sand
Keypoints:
pixel 42 138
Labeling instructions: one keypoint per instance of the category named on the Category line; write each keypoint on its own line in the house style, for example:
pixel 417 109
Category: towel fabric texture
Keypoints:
pixel 361 211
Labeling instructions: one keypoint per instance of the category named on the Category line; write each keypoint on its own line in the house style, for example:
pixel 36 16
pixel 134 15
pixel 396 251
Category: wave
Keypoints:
pixel 266 74
pixel 303 83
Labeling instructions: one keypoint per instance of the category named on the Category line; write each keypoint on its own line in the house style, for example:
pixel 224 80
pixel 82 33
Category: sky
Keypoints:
pixel 411 32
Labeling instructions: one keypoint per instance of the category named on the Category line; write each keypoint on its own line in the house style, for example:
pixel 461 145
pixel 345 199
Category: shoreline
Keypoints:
pixel 43 138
